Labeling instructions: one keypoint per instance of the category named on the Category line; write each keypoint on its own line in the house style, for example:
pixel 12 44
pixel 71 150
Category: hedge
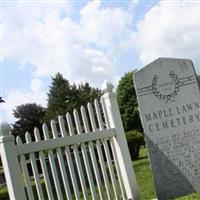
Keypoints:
pixel 135 140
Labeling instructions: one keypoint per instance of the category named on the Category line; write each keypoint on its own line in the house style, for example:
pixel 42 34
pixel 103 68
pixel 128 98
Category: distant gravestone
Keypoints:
pixel 169 103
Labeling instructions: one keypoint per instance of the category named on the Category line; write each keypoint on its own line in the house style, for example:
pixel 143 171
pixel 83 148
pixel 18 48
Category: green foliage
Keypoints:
pixel 58 96
pixel 29 116
pixel 4 193
pixel 135 140
pixel 64 97
pixel 87 94
pixel 127 102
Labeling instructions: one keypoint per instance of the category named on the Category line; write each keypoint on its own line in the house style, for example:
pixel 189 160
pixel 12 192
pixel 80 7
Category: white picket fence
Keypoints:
pixel 85 158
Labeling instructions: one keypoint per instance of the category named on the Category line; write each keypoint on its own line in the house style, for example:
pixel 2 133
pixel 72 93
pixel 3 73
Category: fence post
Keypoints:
pixel 120 143
pixel 10 163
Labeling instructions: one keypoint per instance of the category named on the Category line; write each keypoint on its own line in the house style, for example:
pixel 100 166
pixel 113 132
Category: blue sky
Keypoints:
pixel 88 41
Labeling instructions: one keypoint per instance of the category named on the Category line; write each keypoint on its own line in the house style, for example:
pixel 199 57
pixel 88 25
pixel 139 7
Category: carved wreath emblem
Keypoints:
pixel 165 97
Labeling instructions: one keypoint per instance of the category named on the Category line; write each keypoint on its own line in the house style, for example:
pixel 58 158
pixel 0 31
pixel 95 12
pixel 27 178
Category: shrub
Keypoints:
pixel 135 140
pixel 128 105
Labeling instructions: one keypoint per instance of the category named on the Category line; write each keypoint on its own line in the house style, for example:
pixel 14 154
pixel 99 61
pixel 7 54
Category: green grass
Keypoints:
pixel 145 181
pixel 4 193
pixel 144 177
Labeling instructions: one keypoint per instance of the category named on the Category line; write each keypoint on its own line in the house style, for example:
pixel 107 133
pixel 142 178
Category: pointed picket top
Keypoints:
pixel 77 121
pixel 44 126
pixel 91 115
pixel 54 129
pixel 90 110
pixel 5 128
pixel 85 119
pixel 37 134
pixel 75 112
pixel 28 137
pixel 62 126
pixel 53 122
pixel 99 116
pixel 82 109
pixel 68 116
pixel 107 87
pixel 96 101
pixel 69 123
pixel 89 106
pixel 18 140
pixel 45 131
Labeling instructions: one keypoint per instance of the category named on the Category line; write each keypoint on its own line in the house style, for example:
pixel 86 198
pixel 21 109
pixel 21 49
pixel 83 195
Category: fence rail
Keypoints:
pixel 84 155
pixel 41 145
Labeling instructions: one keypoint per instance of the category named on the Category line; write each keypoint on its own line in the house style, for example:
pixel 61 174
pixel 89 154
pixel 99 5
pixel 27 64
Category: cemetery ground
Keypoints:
pixel 144 180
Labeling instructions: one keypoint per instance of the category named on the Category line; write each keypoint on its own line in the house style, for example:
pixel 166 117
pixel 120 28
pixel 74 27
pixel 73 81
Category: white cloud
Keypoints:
pixel 34 94
pixel 46 37
pixel 80 50
pixel 37 85
pixel 104 26
pixel 170 29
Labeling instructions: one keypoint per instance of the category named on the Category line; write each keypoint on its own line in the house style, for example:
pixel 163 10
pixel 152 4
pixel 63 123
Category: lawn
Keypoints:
pixel 144 180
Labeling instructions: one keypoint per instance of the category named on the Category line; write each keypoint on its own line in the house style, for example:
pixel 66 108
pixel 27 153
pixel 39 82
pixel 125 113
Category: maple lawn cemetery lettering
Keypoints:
pixel 173 117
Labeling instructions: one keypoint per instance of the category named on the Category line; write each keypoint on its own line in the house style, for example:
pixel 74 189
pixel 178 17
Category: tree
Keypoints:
pixel 127 100
pixel 58 97
pixel 64 97
pixel 87 94
pixel 29 116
